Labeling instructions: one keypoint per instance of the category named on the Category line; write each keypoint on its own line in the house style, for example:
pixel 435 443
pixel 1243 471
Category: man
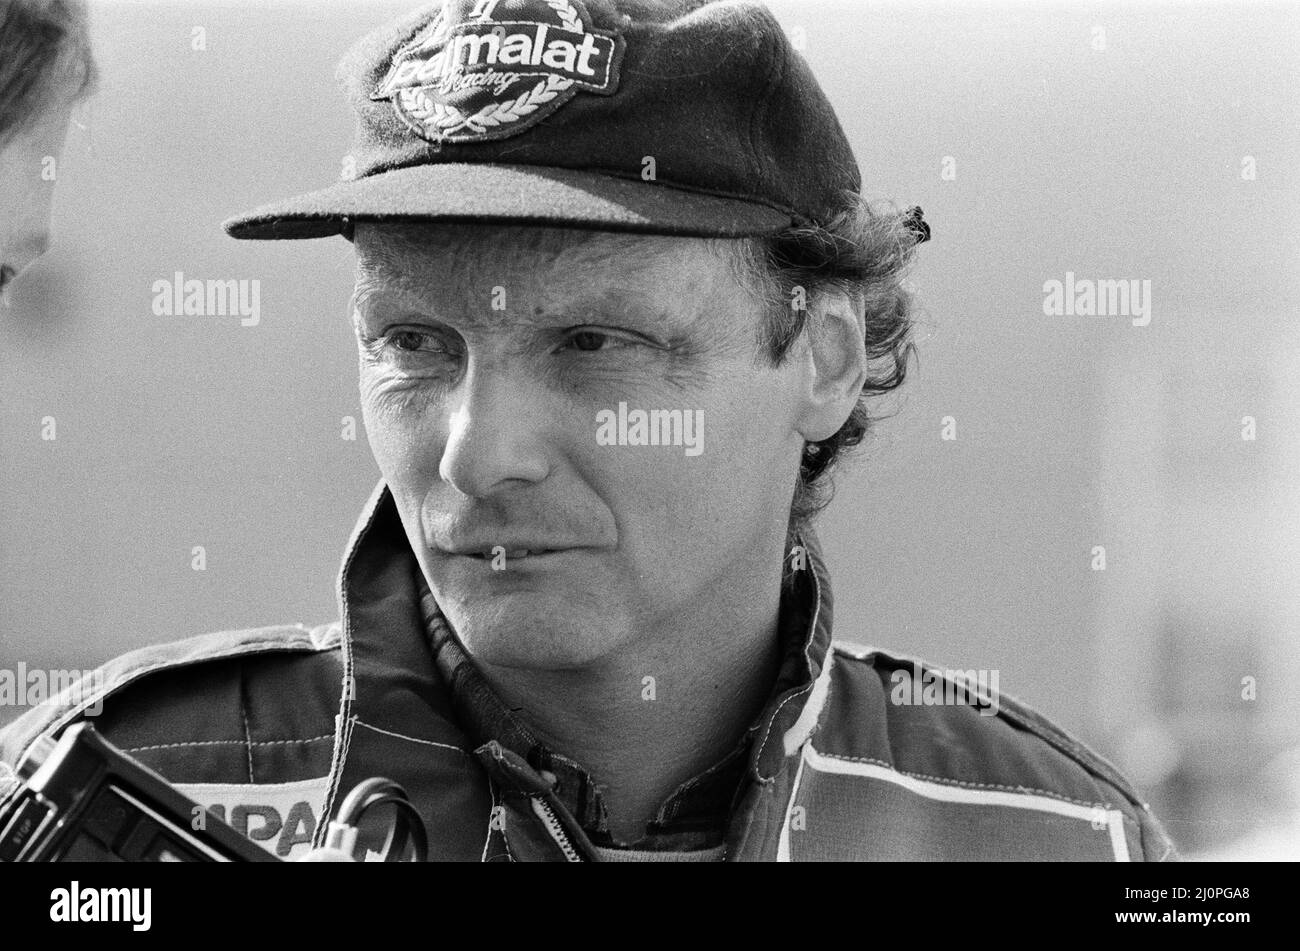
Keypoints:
pixel 619 305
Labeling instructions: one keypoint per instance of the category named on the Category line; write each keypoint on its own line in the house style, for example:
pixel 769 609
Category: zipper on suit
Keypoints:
pixel 552 824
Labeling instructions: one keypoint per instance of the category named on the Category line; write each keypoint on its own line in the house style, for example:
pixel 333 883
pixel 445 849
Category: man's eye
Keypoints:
pixel 590 341
pixel 411 350
pixel 411 341
pixel 407 342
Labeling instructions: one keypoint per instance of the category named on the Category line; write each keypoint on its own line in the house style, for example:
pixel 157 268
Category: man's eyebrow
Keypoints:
pixel 367 289
pixel 372 288
pixel 598 307
pixel 612 306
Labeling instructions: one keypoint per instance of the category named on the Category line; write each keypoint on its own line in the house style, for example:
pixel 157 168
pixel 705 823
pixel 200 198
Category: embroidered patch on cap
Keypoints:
pixel 488 69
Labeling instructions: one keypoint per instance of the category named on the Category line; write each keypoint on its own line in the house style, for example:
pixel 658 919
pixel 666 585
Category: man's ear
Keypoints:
pixel 836 351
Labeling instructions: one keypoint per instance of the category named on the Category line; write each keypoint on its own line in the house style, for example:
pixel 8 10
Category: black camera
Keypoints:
pixel 84 800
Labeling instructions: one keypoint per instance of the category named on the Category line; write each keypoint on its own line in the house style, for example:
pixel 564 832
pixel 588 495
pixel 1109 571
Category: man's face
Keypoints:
pixel 489 358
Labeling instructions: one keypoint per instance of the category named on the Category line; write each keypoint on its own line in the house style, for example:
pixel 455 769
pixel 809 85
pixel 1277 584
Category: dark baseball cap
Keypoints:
pixel 682 117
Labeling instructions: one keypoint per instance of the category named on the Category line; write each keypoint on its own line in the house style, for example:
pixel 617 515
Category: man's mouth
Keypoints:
pixel 509 553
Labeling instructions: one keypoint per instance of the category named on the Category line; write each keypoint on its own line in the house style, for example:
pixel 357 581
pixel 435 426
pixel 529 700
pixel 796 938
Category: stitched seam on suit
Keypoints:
pixel 412 739
pixel 492 814
pixel 967 783
pixel 497 804
pixel 1142 839
pixel 505 838
pixel 168 746
pixel 817 611
pixel 1025 717
pixel 248 734
pixel 775 713
pixel 345 721
pixel 127 677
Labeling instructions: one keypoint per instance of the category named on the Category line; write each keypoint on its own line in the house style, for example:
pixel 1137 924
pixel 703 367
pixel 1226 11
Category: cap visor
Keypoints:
pixel 508 193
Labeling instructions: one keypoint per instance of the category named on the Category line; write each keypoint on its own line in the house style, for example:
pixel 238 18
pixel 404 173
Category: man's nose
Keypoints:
pixel 496 436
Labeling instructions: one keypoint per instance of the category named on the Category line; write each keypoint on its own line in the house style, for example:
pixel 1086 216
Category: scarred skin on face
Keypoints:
pixel 484 422
pixel 573 570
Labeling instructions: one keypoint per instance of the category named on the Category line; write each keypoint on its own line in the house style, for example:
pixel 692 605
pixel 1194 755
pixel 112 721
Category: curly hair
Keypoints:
pixel 41 43
pixel 863 250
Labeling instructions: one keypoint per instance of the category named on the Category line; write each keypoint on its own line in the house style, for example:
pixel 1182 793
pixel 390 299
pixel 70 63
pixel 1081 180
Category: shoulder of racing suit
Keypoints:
pixel 942 765
pixel 242 721
pixel 245 722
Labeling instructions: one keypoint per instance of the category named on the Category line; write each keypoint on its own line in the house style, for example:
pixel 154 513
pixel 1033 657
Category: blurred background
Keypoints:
pixel 1120 141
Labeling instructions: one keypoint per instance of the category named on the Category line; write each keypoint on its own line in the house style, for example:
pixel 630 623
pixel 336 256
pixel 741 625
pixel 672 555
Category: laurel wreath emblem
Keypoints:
pixel 448 119
pixel 567 14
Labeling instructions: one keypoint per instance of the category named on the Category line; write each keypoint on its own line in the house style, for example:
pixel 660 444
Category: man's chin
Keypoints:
pixel 531 631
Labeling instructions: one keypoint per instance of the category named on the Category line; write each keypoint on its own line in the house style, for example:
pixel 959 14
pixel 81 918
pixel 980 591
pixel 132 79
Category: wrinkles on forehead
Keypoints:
pixel 547 274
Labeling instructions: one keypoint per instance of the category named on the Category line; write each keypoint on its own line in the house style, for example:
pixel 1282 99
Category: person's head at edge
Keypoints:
pixel 46 67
